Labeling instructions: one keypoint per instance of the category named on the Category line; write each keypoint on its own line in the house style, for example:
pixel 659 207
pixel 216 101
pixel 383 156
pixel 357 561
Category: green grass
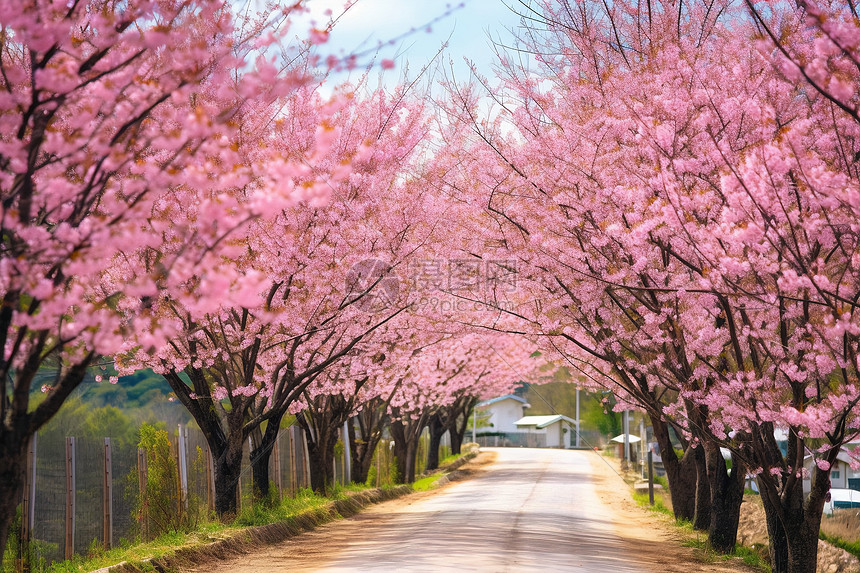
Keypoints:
pixel 660 507
pixel 750 556
pixel 448 460
pixel 426 483
pixel 852 547
pixel 257 514
pixel 253 515
pixel 136 553
pixel 699 540
pixel 264 514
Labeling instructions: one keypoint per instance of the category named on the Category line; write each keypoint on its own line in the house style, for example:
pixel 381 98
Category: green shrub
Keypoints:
pixel 161 508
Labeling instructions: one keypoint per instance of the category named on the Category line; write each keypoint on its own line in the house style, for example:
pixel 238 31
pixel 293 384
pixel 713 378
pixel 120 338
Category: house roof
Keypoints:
pixel 505 397
pixel 542 421
pixel 842 456
pixel 632 439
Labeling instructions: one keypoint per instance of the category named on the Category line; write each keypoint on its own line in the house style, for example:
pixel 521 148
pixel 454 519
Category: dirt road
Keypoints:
pixel 528 510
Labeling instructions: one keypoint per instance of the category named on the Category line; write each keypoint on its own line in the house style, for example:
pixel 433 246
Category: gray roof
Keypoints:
pixel 505 397
pixel 543 421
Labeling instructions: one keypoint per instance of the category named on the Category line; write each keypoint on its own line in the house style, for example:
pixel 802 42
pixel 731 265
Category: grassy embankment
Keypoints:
pixel 692 538
pixel 302 512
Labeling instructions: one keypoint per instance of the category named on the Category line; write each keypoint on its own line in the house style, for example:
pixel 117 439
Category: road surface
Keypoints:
pixel 531 510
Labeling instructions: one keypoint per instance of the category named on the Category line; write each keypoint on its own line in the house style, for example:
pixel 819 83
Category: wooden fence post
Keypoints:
pixel 210 479
pixel 27 506
pixel 347 454
pixel 183 467
pixel 650 477
pixel 293 476
pixel 177 483
pixel 141 482
pixel 307 460
pixel 277 463
pixel 378 462
pixel 108 497
pixel 69 548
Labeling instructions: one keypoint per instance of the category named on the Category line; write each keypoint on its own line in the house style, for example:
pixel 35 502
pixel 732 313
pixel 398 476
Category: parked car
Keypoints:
pixel 842 499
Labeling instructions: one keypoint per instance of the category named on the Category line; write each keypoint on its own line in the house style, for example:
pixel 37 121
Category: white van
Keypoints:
pixel 841 499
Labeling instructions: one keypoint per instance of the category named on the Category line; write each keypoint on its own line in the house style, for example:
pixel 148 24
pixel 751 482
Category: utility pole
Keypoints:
pixel 577 417
pixel 626 418
pixel 475 425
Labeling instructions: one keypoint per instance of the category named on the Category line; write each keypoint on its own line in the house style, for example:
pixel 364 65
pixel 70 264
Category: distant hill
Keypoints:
pixel 143 390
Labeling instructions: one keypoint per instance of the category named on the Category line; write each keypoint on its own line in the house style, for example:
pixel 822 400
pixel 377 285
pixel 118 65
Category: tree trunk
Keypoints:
pixel 727 493
pixel 702 520
pixel 263 443
pixel 411 450
pixel 404 459
pixel 459 423
pixel 682 474
pixel 321 421
pixel 456 443
pixel 793 522
pixel 13 459
pixel 370 421
pixel 361 448
pixel 225 437
pixel 437 430
pixel 228 469
pixel 406 437
pixel 321 442
pixel 260 474
pixel 321 461
pixel 18 421
pixel 398 434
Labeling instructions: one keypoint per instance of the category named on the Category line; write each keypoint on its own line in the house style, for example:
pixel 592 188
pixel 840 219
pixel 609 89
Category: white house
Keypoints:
pixel 841 474
pixel 548 431
pixel 503 412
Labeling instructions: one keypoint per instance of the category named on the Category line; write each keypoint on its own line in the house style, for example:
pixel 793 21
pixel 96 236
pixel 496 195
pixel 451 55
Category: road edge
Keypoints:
pixel 255 537
pixel 251 538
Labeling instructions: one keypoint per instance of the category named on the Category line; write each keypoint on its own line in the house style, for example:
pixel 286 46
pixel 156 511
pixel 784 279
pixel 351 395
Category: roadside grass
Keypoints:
pixel 159 547
pixel 852 547
pixel 659 505
pixel 842 529
pixel 257 514
pixel 448 460
pixel 754 557
pixel 290 508
pixel 426 483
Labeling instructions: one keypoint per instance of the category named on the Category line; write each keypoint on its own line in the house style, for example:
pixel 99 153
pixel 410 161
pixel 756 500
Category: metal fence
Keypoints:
pixel 83 494
pixel 588 440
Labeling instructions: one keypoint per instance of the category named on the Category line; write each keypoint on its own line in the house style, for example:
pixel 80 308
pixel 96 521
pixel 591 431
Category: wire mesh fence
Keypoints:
pixel 91 493
pixel 86 492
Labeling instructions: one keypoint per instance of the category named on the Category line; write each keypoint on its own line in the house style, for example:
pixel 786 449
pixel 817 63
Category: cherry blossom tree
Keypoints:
pixel 443 372
pixel 790 245
pixel 111 113
pixel 365 430
pixel 693 180
pixel 586 175
pixel 325 280
pixel 322 415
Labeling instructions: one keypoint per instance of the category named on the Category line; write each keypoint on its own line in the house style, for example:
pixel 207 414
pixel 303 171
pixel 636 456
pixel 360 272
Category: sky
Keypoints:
pixel 467 26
